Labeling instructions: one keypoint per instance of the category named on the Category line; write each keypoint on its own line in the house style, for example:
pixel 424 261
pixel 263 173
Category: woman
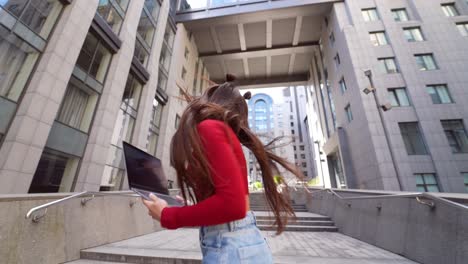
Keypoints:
pixel 211 170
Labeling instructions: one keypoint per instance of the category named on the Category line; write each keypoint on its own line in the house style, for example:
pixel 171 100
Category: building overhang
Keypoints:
pixel 271 44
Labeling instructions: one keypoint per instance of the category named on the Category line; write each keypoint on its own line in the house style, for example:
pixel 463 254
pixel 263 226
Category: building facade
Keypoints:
pixel 415 55
pixel 79 77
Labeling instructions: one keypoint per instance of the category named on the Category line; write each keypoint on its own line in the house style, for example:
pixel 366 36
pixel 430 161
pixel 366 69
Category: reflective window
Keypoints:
pixel 465 180
pixel 400 14
pixel 426 182
pixel 55 173
pixel 109 13
pixel 146 28
pixel 456 135
pixel 77 107
pixel 378 38
pixel 413 34
pixel 94 58
pixel 398 97
pixel 463 28
pixel 155 124
pixel 388 65
pixel 450 10
pixel 370 14
pixel 439 94
pixel 413 138
pixel 38 15
pixel 343 87
pixel 426 62
pixel 17 60
pixel 349 113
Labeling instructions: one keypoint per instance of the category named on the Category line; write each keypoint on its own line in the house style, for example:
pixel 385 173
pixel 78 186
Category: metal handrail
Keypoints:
pixel 37 217
pixel 417 196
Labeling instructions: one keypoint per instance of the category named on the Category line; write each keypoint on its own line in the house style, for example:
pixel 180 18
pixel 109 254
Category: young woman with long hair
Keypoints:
pixel 211 171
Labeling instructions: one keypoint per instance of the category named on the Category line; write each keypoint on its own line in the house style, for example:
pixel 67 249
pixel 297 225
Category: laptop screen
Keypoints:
pixel 144 171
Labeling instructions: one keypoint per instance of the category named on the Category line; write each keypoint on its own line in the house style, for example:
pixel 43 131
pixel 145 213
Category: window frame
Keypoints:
pixel 410 30
pixel 425 185
pixel 411 149
pixel 396 12
pixel 436 88
pixel 384 65
pixel 376 40
pixel 420 58
pixel 396 97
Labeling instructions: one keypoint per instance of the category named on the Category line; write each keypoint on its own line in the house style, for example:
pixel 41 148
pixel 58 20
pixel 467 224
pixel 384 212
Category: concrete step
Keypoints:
pixel 298 228
pixel 104 254
pixel 299 223
pixel 90 261
pixel 298 218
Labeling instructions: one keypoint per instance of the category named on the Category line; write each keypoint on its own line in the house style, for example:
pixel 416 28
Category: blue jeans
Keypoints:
pixel 234 242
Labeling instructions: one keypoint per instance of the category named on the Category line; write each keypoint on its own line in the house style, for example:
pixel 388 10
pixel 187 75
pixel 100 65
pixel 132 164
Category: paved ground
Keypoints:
pixel 290 247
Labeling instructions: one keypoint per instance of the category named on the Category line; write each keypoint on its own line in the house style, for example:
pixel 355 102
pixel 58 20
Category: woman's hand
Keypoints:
pixel 155 206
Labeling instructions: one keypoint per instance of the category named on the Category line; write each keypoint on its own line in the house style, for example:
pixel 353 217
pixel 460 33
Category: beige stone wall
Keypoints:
pixel 67 227
pixel 28 133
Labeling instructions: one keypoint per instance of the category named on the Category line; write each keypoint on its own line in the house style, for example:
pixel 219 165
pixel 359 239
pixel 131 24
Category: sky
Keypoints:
pixel 275 93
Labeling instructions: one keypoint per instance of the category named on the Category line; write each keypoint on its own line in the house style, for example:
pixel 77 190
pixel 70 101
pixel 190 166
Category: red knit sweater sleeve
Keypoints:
pixel 228 201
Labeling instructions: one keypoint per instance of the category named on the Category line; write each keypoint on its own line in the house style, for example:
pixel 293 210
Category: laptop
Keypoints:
pixel 145 175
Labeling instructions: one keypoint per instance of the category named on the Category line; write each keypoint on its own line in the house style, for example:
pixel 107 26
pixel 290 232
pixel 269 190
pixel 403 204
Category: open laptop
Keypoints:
pixel 145 175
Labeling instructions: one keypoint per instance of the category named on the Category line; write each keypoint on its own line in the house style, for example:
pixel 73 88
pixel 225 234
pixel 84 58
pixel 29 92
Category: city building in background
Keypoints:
pixel 376 89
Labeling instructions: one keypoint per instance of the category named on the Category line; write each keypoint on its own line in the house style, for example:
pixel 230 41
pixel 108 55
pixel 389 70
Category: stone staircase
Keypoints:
pixel 304 221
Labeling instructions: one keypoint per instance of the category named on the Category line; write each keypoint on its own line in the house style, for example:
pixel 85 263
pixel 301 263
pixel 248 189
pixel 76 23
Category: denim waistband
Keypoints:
pixel 248 220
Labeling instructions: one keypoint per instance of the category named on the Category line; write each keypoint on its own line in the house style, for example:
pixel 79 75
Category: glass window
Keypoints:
pixel 293 132
pixel 94 58
pixel 343 87
pixel 412 138
pixel 162 80
pixel 123 4
pixel 378 38
pixel 337 60
pixel 463 28
pixel 332 38
pixel 439 94
pixel 413 34
pixel 398 97
pixel 17 60
pixel 165 58
pixel 349 113
pixel 303 156
pixel 192 4
pixel 465 180
pixel 426 62
pixel 177 121
pixel 146 28
pixel 109 13
pixel 169 35
pixel 153 8
pixel 112 179
pixel 38 15
pixel 141 53
pixel 186 53
pixel 456 135
pixel 426 182
pixel 77 108
pixel 132 92
pixel 304 164
pixel 301 147
pixel 184 73
pixel 388 65
pixel 54 173
pixel 450 10
pixel 370 14
pixel 400 14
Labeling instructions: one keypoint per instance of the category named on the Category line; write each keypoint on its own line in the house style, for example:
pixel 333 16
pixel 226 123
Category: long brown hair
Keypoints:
pixel 225 103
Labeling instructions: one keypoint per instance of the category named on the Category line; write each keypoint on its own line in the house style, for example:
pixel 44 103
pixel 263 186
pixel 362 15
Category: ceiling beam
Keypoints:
pixel 243 44
pixel 247 12
pixel 297 31
pixel 269 34
pixel 246 67
pixel 268 66
pixel 292 59
pixel 214 36
pixel 305 48
pixel 270 82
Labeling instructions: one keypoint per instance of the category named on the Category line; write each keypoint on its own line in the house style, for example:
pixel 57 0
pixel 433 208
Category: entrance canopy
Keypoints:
pixel 263 43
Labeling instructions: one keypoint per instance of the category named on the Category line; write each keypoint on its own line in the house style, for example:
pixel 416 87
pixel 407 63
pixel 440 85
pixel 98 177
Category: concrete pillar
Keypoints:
pixel 28 133
pixel 94 159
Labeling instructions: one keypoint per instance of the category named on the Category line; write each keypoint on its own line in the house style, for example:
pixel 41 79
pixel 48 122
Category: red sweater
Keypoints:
pixel 229 174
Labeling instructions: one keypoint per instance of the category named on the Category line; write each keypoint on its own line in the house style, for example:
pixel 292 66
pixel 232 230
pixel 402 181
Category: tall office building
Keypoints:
pixel 79 77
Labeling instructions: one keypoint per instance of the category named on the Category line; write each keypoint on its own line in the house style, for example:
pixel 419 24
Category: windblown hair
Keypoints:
pixel 225 103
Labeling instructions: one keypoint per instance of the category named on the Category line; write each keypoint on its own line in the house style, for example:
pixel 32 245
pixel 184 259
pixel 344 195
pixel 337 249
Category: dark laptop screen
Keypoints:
pixel 144 171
